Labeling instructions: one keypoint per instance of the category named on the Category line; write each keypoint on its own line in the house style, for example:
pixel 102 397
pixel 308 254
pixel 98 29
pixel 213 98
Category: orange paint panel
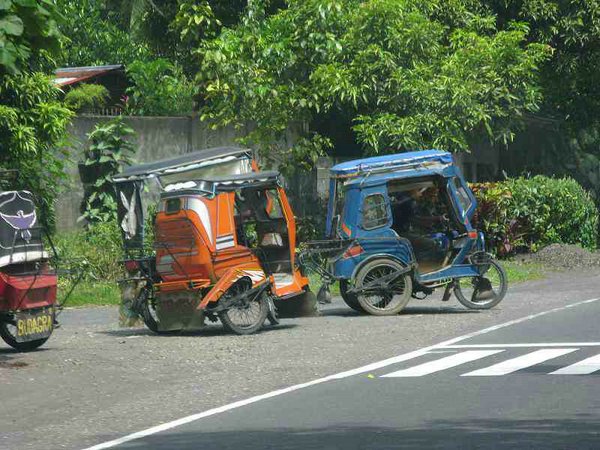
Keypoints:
pixel 291 222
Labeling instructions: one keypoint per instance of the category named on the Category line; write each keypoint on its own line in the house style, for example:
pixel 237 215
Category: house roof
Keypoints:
pixel 391 163
pixel 70 75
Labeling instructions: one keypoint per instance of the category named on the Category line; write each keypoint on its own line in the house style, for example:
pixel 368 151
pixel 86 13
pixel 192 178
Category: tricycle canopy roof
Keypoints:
pixel 426 160
pixel 217 184
pixel 184 163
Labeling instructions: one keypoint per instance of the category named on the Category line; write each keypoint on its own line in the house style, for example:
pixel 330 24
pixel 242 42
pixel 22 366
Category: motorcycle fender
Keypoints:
pixel 251 271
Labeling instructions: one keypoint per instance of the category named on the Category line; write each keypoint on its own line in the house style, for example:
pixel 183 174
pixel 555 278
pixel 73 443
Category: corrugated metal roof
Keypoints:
pixel 69 75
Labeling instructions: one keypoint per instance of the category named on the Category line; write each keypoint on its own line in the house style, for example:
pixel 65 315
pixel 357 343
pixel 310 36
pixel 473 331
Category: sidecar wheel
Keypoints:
pixel 247 316
pixel 386 302
pixel 350 299
pixel 8 333
pixel 470 291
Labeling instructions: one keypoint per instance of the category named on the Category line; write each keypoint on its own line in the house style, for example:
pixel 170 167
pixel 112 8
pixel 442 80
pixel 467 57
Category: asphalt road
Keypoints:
pixel 528 385
pixel 96 383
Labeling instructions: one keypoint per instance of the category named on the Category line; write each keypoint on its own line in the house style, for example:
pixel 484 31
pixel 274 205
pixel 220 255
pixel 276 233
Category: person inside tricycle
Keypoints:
pixel 398 226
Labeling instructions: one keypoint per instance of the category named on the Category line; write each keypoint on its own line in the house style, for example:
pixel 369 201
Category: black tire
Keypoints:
pixel 273 314
pixel 498 281
pixel 389 303
pixel 7 331
pixel 350 299
pixel 148 311
pixel 258 304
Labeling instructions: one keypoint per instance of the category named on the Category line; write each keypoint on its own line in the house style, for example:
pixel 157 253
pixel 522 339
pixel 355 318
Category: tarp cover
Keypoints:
pixel 20 236
pixel 130 212
pixel 182 163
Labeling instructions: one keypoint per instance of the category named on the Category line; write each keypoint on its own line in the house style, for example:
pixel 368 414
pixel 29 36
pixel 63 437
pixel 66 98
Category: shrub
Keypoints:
pixel 108 152
pixel 96 250
pixel 87 97
pixel 525 214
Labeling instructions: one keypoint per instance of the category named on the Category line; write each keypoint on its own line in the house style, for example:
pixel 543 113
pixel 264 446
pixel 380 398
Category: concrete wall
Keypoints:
pixel 156 138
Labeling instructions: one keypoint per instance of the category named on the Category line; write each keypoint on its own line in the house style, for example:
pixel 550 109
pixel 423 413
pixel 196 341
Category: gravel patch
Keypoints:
pixel 564 257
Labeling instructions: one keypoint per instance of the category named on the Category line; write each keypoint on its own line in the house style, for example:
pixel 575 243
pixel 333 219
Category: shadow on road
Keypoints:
pixel 409 310
pixel 210 330
pixel 579 433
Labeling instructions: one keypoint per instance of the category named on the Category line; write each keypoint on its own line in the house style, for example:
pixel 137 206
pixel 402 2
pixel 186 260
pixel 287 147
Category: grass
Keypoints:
pixel 518 272
pixel 93 294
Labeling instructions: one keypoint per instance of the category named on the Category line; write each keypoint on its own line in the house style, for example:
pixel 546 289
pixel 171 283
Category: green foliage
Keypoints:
pixel 87 97
pixel 570 78
pixel 108 152
pixel 94 35
pixel 395 74
pixel 159 89
pixel 96 251
pixel 526 214
pixel 28 30
pixel 33 124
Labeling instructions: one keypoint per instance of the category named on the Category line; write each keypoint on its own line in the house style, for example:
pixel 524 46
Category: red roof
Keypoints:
pixel 69 75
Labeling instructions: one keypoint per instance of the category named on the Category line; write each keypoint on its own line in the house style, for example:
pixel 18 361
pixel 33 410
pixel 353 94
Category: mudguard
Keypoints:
pixel 252 270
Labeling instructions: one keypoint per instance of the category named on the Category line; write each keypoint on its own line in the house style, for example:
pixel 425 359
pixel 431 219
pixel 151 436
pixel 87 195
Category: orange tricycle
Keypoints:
pixel 224 242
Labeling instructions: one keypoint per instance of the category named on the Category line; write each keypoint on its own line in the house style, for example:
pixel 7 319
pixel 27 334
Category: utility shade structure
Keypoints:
pixel 199 170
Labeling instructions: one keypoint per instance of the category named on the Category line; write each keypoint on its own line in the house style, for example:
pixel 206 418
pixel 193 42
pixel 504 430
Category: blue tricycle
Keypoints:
pixel 398 227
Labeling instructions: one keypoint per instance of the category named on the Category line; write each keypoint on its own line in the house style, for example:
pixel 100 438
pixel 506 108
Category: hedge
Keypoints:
pixel 525 214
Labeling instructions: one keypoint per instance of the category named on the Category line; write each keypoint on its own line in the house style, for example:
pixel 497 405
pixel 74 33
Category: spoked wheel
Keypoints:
pixel 485 291
pixel 350 299
pixel 248 313
pixel 383 296
pixel 8 332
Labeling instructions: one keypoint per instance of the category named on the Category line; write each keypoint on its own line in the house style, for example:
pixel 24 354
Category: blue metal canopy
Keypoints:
pixel 426 159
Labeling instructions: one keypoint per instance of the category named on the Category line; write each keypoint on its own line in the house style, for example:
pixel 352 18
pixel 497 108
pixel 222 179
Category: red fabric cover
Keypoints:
pixel 27 292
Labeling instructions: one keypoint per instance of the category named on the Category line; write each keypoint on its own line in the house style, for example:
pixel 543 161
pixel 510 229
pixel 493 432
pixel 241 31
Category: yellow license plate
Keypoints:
pixel 34 325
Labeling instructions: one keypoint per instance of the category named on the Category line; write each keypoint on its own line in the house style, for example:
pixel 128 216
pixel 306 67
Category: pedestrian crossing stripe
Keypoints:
pixel 584 367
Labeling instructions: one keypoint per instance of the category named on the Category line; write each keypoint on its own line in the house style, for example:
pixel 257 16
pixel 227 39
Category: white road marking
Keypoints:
pixel 442 363
pixel 547 344
pixel 346 374
pixel 520 362
pixel 583 367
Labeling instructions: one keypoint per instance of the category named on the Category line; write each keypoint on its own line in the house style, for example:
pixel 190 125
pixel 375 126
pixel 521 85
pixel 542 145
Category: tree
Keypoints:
pixel 93 35
pixel 33 125
pixel 569 79
pixel 28 33
pixel 374 75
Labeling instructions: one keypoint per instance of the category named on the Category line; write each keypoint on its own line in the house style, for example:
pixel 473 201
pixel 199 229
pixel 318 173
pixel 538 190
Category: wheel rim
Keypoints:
pixel 245 313
pixel 383 301
pixel 471 286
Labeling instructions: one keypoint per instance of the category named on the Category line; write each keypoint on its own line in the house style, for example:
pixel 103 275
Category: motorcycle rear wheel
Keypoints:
pixel 387 302
pixel 247 316
pixel 8 334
